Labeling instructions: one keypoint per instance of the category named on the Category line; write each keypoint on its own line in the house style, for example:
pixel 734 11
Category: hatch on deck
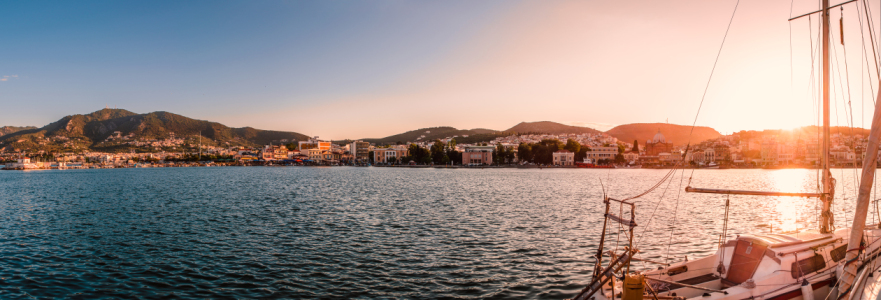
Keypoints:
pixel 774 240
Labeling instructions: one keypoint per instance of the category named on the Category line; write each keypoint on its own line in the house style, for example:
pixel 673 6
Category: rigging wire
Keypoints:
pixel 834 94
pixel 791 80
pixel 871 25
pixel 814 53
pixel 814 95
pixel 646 227
pixel 851 122
pixel 713 70
pixel 675 213
pixel 865 56
pixel 656 185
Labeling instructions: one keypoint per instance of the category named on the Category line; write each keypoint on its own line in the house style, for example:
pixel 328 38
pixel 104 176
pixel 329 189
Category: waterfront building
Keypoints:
pixel 657 145
pixel 314 154
pixel 721 151
pixel 842 155
pixel 360 150
pixel 598 153
pixel 769 151
pixel 331 156
pixel 24 163
pixel 347 157
pixel 697 156
pixel 631 156
pixel 384 155
pixel 274 153
pixel 710 155
pixel 564 158
pixel 477 155
pixel 479 148
pixel 314 143
pixel 664 157
pixel 812 151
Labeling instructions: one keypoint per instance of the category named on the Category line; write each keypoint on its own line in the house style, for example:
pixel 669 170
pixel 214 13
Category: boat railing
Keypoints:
pixel 751 193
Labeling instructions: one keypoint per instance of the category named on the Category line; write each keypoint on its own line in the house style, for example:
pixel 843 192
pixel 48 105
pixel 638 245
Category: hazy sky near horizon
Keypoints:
pixel 359 69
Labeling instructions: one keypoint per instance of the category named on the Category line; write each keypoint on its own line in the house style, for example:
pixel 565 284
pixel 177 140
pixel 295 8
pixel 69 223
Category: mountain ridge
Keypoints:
pixel 550 127
pixel 13 129
pixel 86 131
pixel 677 134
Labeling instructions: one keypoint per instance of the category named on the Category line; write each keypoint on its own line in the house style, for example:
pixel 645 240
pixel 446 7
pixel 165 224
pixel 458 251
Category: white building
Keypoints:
pixel 564 158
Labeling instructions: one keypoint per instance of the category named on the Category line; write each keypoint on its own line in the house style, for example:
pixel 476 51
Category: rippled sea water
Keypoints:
pixel 300 232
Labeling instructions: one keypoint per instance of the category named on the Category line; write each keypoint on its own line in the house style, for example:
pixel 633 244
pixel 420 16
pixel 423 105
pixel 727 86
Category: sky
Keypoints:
pixel 368 69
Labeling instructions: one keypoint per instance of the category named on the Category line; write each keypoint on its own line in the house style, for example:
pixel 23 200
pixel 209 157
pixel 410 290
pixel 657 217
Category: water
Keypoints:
pixel 301 232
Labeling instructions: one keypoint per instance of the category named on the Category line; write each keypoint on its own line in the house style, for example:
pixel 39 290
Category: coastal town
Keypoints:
pixel 745 149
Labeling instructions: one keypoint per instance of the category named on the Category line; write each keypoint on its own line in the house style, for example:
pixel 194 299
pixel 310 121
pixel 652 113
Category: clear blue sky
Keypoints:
pixel 356 69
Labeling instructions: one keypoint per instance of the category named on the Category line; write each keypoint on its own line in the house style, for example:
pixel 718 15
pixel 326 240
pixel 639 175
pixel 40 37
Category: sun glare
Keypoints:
pixel 787 207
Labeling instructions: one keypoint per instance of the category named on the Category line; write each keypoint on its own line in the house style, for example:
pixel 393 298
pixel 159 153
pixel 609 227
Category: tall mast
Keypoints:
pixel 826 217
pixel 847 272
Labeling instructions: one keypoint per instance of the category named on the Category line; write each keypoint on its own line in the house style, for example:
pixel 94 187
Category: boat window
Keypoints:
pixel 807 266
pixel 838 253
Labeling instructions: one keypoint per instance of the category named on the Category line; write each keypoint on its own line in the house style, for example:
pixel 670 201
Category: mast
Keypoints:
pixel 826 217
pixel 848 271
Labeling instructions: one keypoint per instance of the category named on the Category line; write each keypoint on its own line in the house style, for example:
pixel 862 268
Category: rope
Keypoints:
pixel 871 25
pixel 791 80
pixel 713 70
pixel 675 211
pixel 646 227
pixel 656 185
pixel 850 122
pixel 866 58
pixel 725 225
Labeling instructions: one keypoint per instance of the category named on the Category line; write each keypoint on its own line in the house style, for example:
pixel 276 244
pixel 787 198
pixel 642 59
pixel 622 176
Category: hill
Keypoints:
pixel 13 129
pixel 550 128
pixel 678 134
pixel 91 131
pixel 430 134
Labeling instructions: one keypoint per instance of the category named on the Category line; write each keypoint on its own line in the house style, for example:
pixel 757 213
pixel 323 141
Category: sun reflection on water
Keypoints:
pixel 787 208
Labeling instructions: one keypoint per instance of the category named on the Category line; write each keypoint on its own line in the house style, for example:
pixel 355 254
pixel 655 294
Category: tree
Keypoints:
pixel 544 151
pixel 542 154
pixel 581 155
pixel 525 152
pixel 370 157
pixel 619 158
pixel 509 155
pixel 291 146
pixel 620 149
pixel 455 156
pixel 636 146
pixel 499 157
pixel 572 146
pixel 437 152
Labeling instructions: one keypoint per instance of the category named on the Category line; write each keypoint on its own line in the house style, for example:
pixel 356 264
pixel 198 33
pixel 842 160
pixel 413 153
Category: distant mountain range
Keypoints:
pixel 86 131
pixel 13 129
pixel 550 128
pixel 430 134
pixel 678 134
pixel 90 131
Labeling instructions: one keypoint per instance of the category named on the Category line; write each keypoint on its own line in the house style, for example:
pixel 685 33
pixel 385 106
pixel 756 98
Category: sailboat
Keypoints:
pixel 821 263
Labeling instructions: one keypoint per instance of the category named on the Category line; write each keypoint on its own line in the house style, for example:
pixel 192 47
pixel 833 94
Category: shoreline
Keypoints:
pixel 207 165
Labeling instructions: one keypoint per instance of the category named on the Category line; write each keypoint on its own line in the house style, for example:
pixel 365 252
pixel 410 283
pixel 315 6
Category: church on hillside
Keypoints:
pixel 657 145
